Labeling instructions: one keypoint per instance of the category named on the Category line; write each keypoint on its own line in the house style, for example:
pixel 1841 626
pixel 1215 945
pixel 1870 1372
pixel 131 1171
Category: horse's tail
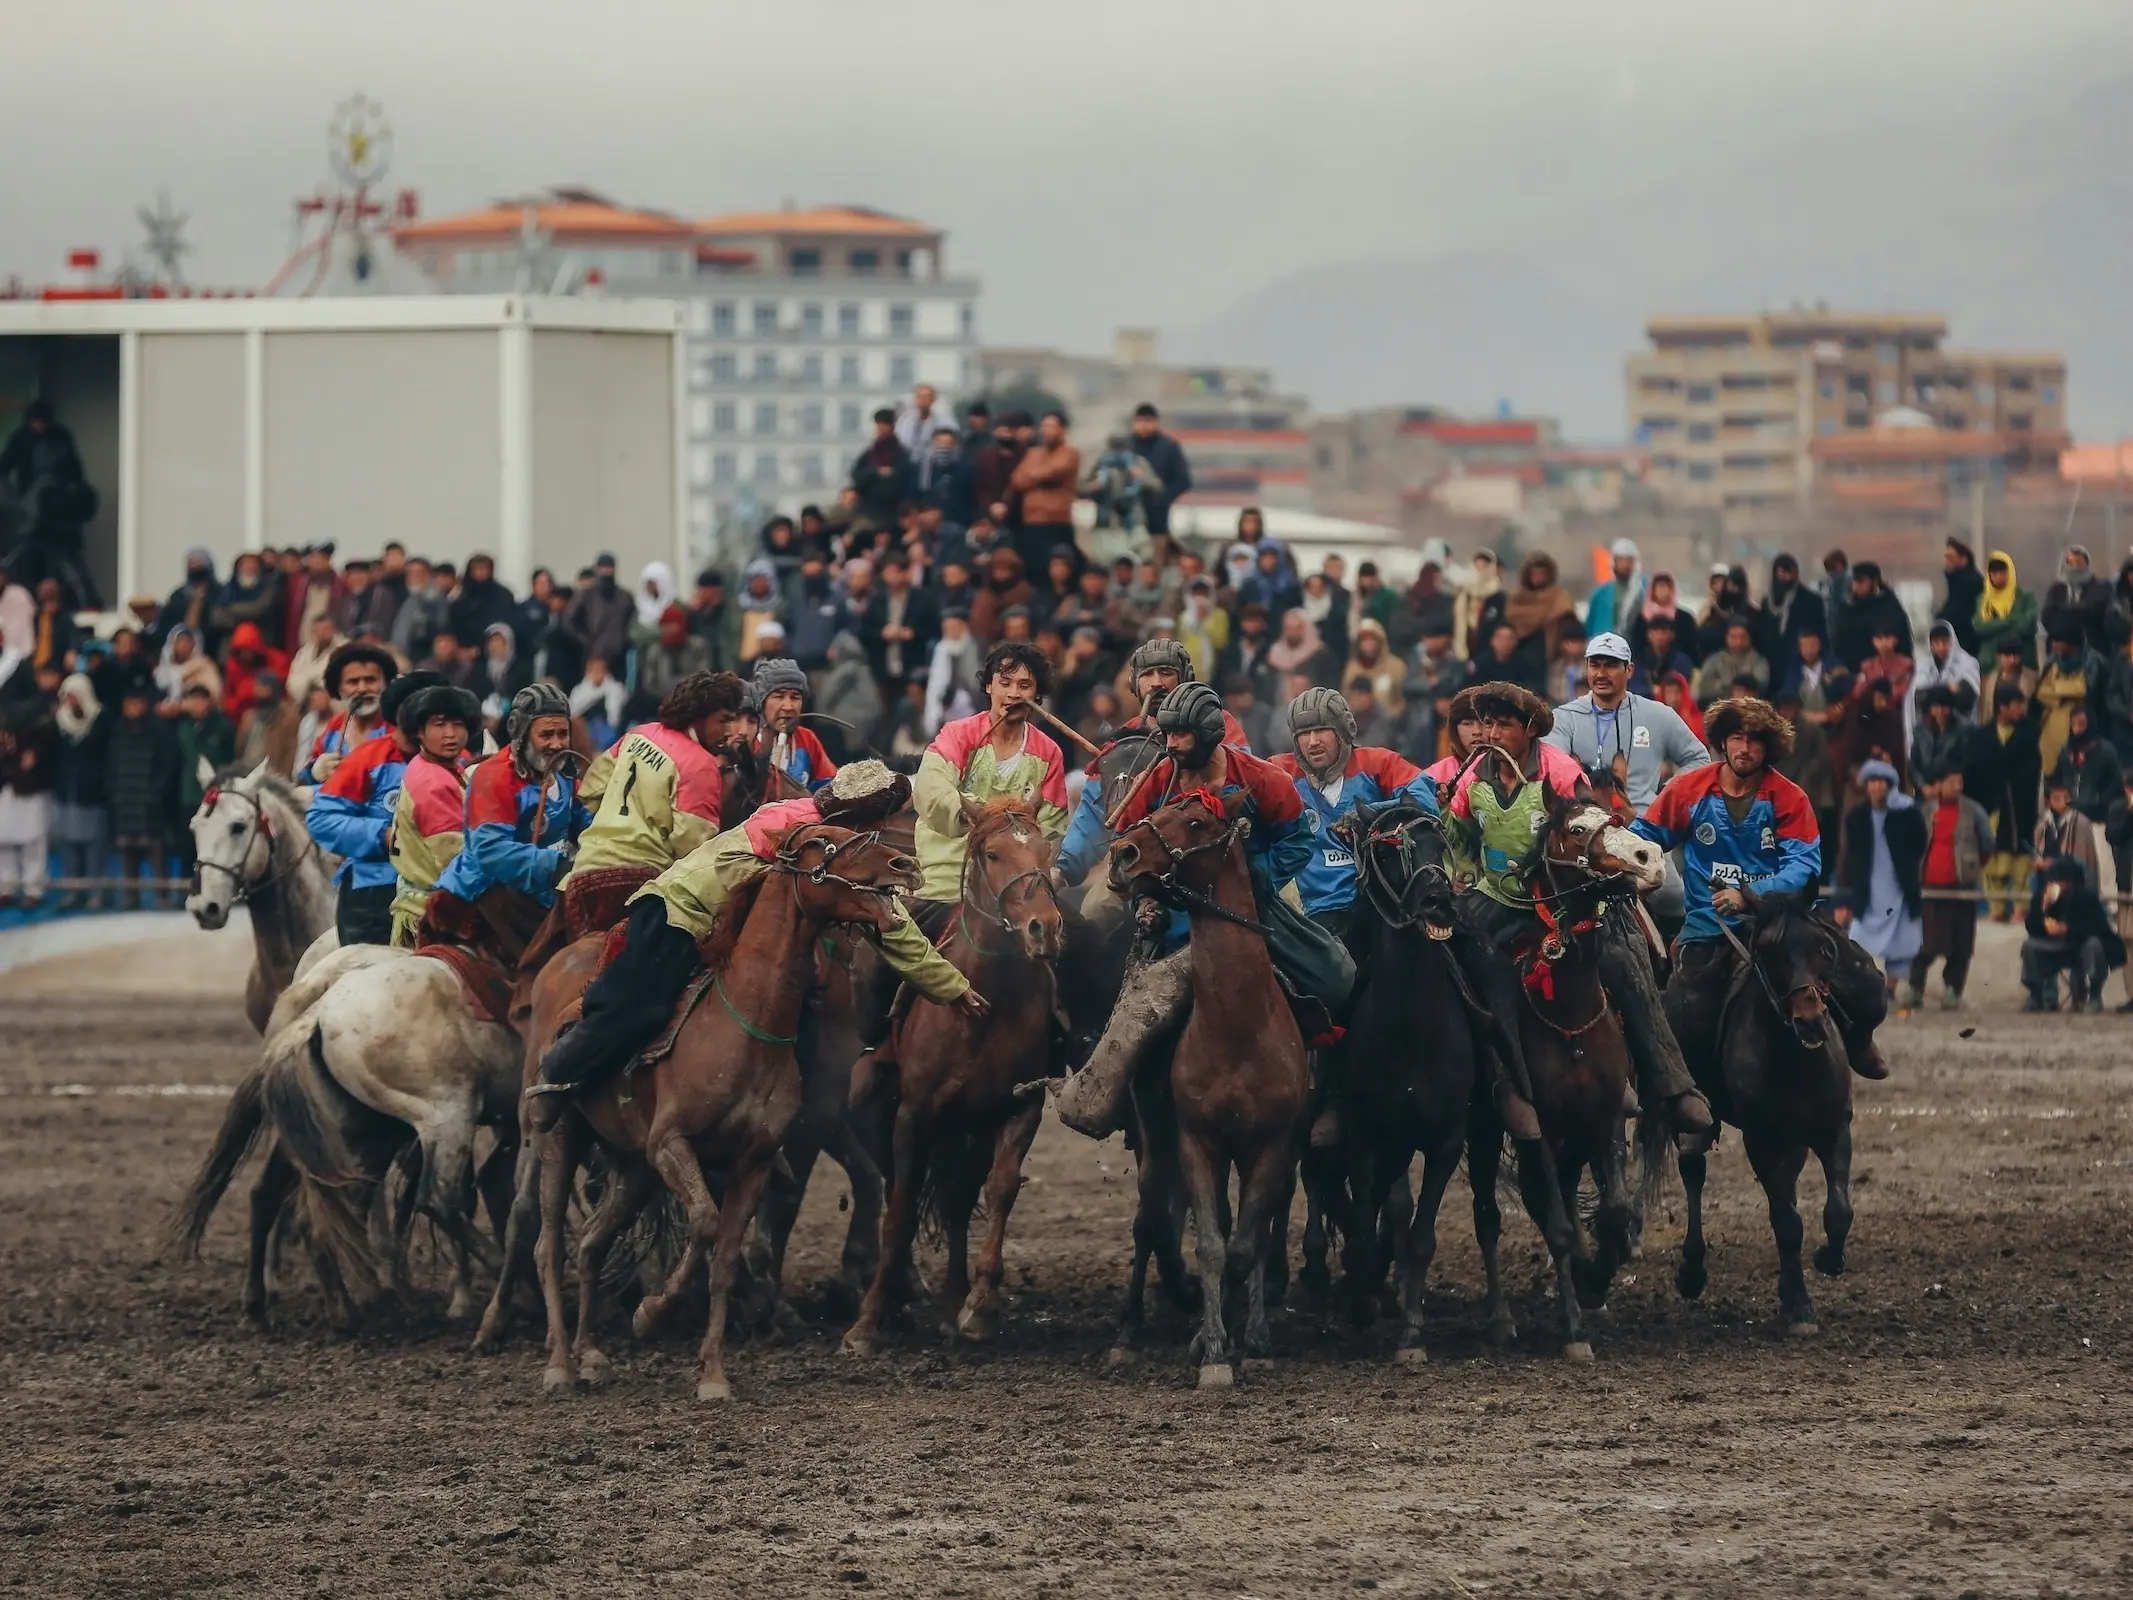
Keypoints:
pixel 341 1146
pixel 241 1125
pixel 1655 1161
pixel 338 1228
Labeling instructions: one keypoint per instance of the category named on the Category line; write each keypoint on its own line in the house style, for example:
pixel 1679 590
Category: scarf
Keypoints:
pixel 1653 608
pixel 655 592
pixel 76 724
pixel 1286 657
pixel 1996 604
pixel 1530 610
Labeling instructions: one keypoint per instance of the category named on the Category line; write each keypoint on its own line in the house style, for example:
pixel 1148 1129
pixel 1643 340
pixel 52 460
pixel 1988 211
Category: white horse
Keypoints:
pixel 254 851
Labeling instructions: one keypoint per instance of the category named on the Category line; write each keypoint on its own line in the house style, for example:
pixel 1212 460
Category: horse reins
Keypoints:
pixel 262 827
pixel 1169 888
pixel 967 902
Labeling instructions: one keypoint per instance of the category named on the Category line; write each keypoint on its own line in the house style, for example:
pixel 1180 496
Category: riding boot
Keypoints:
pixel 875 1070
pixel 1477 950
pixel 1662 1075
pixel 1153 1003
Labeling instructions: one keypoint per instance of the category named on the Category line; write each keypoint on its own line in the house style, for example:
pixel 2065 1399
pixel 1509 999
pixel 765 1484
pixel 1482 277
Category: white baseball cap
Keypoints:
pixel 1608 647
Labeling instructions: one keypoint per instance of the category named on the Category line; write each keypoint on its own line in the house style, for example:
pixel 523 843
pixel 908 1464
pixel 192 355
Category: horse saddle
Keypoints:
pixel 662 1044
pixel 484 982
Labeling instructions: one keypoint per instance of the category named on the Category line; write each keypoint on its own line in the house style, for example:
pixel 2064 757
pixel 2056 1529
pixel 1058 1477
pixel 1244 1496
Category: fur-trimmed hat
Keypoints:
pixel 349 654
pixel 863 794
pixel 1758 719
pixel 1478 698
pixel 440 700
pixel 404 688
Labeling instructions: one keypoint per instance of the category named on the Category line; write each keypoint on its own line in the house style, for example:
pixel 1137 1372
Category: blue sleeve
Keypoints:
pixel 1086 837
pixel 1284 846
pixel 348 828
pixel 505 858
pixel 1799 867
pixel 1422 790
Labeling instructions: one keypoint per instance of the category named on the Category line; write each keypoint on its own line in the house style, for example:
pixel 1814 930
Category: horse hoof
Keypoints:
pixel 713 1389
pixel 1217 1377
pixel 858 1344
pixel 1691 1282
pixel 1805 1329
pixel 1257 1364
pixel 1121 1356
pixel 461 1306
pixel 593 1367
pixel 1502 1332
pixel 558 1380
pixel 979 1327
pixel 1579 1352
pixel 1830 1263
pixel 1412 1355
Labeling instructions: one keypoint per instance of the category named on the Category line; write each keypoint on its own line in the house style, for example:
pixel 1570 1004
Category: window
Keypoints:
pixel 1700 433
pixel 970 320
pixel 2019 383
pixel 1829 389
pixel 766 417
pixel 811 369
pixel 766 318
pixel 725 368
pixel 2049 394
pixel 766 367
pixel 1885 353
pixel 766 466
pixel 804 263
pixel 1885 392
pixel 848 320
pixel 901 370
pixel 1984 393
pixel 900 318
pixel 809 418
pixel 722 318
pixel 1701 394
pixel 903 262
pixel 1660 424
pixel 848 419
pixel 722 417
pixel 2019 421
pixel 848 371
pixel 866 260
pixel 1827 425
pixel 1701 471
pixel 811 319
pixel 1855 419
pixel 725 467
pixel 811 470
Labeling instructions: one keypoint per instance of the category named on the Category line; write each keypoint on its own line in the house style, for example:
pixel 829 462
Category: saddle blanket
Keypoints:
pixel 684 1008
pixel 486 985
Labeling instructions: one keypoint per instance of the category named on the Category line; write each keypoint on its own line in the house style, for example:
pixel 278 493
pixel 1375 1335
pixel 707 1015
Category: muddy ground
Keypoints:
pixel 1960 1426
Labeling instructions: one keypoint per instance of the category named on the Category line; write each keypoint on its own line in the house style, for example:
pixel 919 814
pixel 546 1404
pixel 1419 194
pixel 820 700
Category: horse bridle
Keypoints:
pixel 1169 890
pixel 262 828
pixel 1395 906
pixel 997 916
pixel 1779 1003
pixel 787 860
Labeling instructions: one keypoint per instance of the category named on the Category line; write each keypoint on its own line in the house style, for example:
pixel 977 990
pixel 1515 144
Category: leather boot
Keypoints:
pixel 1154 1001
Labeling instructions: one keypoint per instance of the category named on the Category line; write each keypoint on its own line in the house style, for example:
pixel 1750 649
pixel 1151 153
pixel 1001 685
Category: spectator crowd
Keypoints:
pixel 1975 768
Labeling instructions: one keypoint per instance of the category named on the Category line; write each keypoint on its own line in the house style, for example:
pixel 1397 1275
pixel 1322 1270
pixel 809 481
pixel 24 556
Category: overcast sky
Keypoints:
pixel 1097 163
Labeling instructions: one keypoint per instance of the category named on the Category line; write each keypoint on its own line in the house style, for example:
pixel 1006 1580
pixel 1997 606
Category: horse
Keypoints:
pixel 1404 1076
pixel 377 1053
pixel 1779 1073
pixel 961 1127
pixel 253 850
pixel 724 1097
pixel 1577 1058
pixel 1239 1078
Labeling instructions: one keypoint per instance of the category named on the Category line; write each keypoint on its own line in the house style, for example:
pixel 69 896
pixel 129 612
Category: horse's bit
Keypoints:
pixel 263 828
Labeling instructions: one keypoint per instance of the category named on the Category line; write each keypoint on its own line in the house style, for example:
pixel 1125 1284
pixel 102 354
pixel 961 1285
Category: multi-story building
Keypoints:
pixel 1390 464
pixel 1248 443
pixel 801 324
pixel 1894 491
pixel 1732 407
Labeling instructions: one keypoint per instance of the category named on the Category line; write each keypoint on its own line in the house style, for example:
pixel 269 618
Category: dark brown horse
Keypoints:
pixel 1239 1077
pixel 1577 1058
pixel 721 1101
pixel 961 1130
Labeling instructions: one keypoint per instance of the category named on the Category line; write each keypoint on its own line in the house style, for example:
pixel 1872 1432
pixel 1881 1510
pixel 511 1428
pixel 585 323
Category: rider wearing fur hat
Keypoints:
pixel 429 815
pixel 1497 808
pixel 632 998
pixel 356 676
pixel 779 689
pixel 351 816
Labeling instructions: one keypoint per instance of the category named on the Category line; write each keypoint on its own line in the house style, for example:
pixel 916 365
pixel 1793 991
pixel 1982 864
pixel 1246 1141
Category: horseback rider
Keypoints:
pixel 1153 1003
pixel 1497 810
pixel 660 801
pixel 351 816
pixel 634 995
pixel 1158 667
pixel 521 814
pixel 780 692
pixel 429 815
pixel 1741 826
pixel 356 676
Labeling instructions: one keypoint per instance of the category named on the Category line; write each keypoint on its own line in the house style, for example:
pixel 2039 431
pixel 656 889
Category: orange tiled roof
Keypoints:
pixel 2097 463
pixel 1908 444
pixel 568 219
pixel 815 219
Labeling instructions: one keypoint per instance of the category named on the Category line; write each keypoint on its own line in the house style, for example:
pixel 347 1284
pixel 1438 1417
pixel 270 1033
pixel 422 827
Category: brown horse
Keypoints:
pixel 721 1101
pixel 1239 1077
pixel 1578 1060
pixel 961 1130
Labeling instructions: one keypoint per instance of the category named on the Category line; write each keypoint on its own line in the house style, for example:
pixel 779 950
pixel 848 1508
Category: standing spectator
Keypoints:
pixel 715 622
pixel 1539 611
pixel 426 609
pixel 250 596
pixel 817 611
pixel 267 728
pixel 27 738
pixel 1661 610
pixel 2072 674
pixel 1872 731
pixel 80 822
pixel 192 603
pixel 2064 834
pixel 1878 882
pixel 977 431
pixel 1811 679
pixel 530 620
pixel 1299 652
pixel 1440 672
pixel 482 602
pixel 1736 659
pixel 54 637
pixel 1375 600
pixel 850 700
pixel 1872 609
pixel 140 777
pixel 501 672
pixel 1481 602
pixel 1504 660
pixel 1966 586
pixel 1658 654
pixel 1373 659
pixel 205 734
pixel 2118 833
pixel 312 589
pixel 2008 669
pixel 952 675
pixel 942 481
pixel 18 615
pixel 450 660
pixel 2079 601
pixel 761 605
pixel 2118 702
pixel 1272 582
pixel 1566 673
pixel 1326 605
pixel 1166 459
pixel 656 591
pixel 1836 587
pixel 1046 480
pixel 920 419
pixel 1728 604
pixel 900 624
pixel 1810 766
pixel 672 654
pixel 2068 932
pixel 1891 666
pixel 992 472
pixel 1789 610
pixel 558 657
pixel 249 655
pixel 2088 765
pixel 599 618
pixel 388 589
pixel 308 665
pixel 183 665
pixel 1203 626
pixel 2005 611
pixel 1616 603
pixel 1939 738
pixel 1002 589
pixel 1947 665
pixel 2001 770
pixel 881 474
pixel 1958 839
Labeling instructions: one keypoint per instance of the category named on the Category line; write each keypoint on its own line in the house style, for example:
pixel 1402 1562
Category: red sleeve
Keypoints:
pixel 1795 815
pixel 492 796
pixel 1150 790
pixel 1286 764
pixel 819 764
pixel 1389 767
pixel 1273 794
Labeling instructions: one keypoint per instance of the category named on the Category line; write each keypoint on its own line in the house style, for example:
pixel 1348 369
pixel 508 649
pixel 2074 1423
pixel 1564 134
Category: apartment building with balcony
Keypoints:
pixel 801 323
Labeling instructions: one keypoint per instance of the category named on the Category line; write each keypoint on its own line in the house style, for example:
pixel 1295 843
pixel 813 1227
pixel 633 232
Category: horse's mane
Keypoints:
pixel 1000 812
pixel 717 950
pixel 269 785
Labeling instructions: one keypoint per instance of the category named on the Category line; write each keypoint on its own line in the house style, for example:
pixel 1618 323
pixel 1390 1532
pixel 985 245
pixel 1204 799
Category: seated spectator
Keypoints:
pixel 500 673
pixel 1810 678
pixel 1947 664
pixel 1373 659
pixel 1810 766
pixel 951 676
pixel 1279 739
pixel 308 665
pixel 672 655
pixel 1658 654
pixel 2069 933
pixel 1671 689
pixel 849 699
pixel 1887 664
pixel 761 603
pixel 715 622
pixel 1002 589
pixel 1251 714
pixel 1086 667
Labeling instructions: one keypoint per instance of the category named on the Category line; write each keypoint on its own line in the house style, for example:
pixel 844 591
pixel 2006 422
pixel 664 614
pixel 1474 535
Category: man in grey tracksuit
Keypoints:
pixel 1644 740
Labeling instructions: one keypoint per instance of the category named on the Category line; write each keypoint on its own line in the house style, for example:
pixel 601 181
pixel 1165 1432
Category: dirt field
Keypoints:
pixel 1960 1427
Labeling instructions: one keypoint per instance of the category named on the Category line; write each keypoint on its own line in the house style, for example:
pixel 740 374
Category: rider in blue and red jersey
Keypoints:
pixel 351 815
